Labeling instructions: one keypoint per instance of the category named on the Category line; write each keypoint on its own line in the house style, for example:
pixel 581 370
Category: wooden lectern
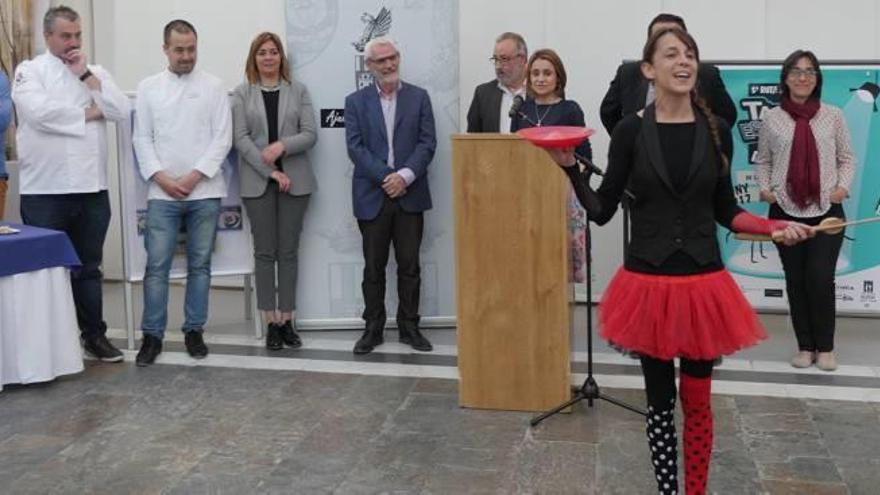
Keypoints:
pixel 511 261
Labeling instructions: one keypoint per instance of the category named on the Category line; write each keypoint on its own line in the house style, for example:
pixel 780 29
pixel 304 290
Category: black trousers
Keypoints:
pixel 84 217
pixel 809 281
pixel 404 230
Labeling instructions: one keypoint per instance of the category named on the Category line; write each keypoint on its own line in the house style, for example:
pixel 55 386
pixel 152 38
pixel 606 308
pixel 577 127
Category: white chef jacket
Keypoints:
pixel 183 123
pixel 58 151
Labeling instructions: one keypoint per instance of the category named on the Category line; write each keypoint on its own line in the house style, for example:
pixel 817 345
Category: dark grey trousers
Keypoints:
pixel 276 223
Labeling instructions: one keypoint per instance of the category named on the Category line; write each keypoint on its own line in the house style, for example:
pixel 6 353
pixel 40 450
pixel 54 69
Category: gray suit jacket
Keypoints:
pixel 296 129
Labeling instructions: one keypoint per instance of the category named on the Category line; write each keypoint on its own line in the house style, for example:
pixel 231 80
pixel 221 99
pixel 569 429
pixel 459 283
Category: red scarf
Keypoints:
pixel 802 182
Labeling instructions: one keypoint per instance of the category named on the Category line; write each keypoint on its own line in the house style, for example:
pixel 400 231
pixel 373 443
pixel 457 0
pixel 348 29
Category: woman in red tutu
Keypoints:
pixel 673 297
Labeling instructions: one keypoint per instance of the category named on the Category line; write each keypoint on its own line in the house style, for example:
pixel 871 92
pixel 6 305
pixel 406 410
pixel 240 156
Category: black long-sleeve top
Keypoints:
pixel 677 143
pixel 270 100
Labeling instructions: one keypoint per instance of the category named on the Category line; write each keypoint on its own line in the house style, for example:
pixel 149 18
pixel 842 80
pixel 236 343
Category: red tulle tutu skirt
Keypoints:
pixel 700 316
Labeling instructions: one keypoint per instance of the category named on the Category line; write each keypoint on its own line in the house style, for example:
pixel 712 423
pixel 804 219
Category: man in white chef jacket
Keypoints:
pixel 182 134
pixel 63 105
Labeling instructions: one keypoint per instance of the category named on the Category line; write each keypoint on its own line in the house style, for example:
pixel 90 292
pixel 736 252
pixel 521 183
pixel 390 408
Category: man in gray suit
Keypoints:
pixel 273 127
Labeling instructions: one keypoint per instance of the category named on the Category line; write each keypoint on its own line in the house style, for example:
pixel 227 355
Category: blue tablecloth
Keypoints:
pixel 34 249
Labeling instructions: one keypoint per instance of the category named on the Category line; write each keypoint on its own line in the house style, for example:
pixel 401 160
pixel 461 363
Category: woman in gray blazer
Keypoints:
pixel 274 126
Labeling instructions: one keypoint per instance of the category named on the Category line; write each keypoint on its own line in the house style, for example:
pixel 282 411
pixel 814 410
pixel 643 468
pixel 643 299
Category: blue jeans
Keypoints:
pixel 84 217
pixel 164 219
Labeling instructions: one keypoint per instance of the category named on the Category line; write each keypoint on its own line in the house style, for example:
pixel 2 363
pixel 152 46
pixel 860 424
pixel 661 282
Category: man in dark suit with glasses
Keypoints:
pixel 492 100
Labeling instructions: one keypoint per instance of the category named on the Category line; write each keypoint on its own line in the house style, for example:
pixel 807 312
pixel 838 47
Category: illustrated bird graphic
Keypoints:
pixel 375 27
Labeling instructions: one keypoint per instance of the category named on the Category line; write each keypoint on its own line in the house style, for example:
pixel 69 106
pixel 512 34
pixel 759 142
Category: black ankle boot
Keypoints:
pixel 372 337
pixel 274 340
pixel 289 336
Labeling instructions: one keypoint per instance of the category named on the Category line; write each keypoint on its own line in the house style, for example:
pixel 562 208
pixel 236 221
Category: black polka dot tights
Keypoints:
pixel 695 393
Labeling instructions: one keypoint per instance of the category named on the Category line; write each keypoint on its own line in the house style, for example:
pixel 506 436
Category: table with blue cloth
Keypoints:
pixel 39 335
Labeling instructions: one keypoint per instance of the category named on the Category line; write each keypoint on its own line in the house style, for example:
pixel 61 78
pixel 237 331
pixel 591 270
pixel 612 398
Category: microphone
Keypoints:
pixel 589 165
pixel 514 108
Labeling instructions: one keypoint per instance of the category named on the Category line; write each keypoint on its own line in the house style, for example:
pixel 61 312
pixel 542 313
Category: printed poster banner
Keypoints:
pixel 325 42
pixel 232 254
pixel 755 265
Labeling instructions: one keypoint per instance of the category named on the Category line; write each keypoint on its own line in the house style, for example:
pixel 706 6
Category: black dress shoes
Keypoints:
pixel 150 348
pixel 411 336
pixel 195 344
pixel 371 338
pixel 289 336
pixel 273 337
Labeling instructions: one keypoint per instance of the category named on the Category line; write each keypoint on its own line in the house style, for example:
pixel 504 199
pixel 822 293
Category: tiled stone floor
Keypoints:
pixel 118 429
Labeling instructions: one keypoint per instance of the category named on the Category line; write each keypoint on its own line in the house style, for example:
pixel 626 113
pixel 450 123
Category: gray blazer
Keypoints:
pixel 296 129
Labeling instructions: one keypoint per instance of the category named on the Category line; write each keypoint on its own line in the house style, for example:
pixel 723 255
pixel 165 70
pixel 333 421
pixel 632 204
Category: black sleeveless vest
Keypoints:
pixel 665 220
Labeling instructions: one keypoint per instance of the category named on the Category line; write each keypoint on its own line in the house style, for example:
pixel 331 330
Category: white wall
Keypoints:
pixel 132 46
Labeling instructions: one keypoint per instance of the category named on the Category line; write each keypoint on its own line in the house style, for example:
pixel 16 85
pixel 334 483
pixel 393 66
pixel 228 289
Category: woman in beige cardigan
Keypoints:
pixel 274 127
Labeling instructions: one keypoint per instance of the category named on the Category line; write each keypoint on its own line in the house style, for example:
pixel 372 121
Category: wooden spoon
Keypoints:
pixel 830 226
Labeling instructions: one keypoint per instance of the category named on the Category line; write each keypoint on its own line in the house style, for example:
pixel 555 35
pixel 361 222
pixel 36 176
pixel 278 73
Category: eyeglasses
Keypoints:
pixel 797 73
pixel 382 61
pixel 503 60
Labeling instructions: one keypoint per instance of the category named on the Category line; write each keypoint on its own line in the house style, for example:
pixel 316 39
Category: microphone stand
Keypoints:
pixel 589 390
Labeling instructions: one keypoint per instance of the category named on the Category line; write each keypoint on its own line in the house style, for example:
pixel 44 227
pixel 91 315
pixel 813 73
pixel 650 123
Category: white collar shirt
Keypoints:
pixel 183 123
pixel 59 152
pixel 507 97
pixel 389 114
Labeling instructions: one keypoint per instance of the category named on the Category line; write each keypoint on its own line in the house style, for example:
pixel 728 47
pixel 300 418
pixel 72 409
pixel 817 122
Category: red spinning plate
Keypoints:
pixel 556 136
